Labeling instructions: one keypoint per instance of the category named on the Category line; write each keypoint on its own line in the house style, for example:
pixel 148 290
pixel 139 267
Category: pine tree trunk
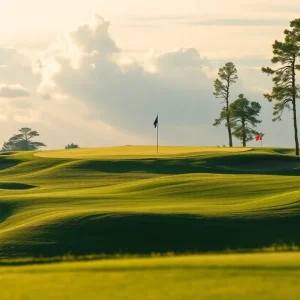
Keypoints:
pixel 295 128
pixel 228 121
pixel 244 135
pixel 294 108
pixel 229 132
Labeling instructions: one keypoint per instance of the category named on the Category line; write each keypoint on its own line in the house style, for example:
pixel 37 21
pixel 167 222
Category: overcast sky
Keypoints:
pixel 96 72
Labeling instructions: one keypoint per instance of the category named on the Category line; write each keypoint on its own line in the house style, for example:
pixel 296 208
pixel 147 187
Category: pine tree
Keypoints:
pixel 227 76
pixel 23 141
pixel 243 118
pixel 285 90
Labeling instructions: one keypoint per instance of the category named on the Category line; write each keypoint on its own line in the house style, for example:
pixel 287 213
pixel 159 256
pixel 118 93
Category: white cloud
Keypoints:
pixel 85 89
pixel 60 120
pixel 126 96
pixel 87 66
pixel 13 91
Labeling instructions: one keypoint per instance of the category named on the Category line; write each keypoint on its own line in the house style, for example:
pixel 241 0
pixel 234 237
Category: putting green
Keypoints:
pixel 135 152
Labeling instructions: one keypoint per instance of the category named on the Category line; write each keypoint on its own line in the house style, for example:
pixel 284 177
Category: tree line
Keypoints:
pixel 240 116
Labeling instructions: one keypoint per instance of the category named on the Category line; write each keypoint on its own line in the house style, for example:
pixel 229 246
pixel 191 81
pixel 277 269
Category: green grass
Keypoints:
pixel 208 199
pixel 129 200
pixel 127 152
pixel 199 201
pixel 234 276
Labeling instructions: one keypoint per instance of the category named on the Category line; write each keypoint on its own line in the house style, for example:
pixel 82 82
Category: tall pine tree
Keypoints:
pixel 285 90
pixel 227 76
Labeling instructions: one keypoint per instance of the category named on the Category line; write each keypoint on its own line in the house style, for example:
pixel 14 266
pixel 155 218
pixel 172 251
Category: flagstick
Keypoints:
pixel 157 135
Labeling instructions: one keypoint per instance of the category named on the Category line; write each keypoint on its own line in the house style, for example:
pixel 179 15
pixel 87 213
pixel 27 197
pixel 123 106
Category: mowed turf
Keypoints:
pixel 129 200
pixel 191 200
pixel 234 276
pixel 128 152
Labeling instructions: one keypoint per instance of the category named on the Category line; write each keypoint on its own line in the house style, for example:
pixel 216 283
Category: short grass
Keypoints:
pixel 234 276
pixel 127 152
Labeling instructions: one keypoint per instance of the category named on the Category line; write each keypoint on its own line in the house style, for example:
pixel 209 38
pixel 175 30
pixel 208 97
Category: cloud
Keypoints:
pixel 16 68
pixel 58 121
pixel 272 7
pixel 239 22
pixel 210 20
pixel 127 96
pixel 17 84
pixel 86 90
pixel 13 91
pixel 86 67
pixel 245 61
pixel 180 58
pixel 163 18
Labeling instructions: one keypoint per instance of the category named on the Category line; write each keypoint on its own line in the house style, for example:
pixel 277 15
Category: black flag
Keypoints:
pixel 155 122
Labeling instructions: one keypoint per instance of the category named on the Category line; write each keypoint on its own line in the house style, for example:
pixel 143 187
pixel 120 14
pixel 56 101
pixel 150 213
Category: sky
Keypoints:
pixel 96 72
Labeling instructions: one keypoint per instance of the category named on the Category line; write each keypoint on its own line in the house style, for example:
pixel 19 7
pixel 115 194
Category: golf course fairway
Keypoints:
pixel 154 212
pixel 234 276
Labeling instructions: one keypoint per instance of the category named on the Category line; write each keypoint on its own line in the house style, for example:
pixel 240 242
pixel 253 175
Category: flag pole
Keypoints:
pixel 157 135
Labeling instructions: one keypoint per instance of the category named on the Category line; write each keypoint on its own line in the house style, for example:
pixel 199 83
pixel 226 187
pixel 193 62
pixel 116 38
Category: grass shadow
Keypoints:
pixel 5 211
pixel 148 233
pixel 15 186
pixel 267 164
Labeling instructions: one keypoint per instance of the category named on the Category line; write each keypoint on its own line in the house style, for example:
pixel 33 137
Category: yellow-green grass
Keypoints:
pixel 234 276
pixel 128 200
pixel 127 152
pixel 123 202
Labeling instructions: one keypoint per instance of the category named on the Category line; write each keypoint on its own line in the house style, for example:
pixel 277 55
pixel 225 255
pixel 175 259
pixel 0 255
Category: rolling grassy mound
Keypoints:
pixel 131 200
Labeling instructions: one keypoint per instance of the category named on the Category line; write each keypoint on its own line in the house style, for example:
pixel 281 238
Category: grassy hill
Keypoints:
pixel 131 200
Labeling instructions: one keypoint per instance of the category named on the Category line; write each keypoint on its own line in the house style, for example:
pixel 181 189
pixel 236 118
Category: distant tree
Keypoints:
pixel 285 90
pixel 243 119
pixel 227 76
pixel 23 141
pixel 71 146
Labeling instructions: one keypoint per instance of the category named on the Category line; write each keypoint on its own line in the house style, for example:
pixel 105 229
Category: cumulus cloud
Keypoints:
pixel 17 83
pixel 15 68
pixel 86 65
pixel 85 89
pixel 13 91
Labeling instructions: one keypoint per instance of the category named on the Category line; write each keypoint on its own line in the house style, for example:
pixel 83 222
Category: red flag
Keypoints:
pixel 259 137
